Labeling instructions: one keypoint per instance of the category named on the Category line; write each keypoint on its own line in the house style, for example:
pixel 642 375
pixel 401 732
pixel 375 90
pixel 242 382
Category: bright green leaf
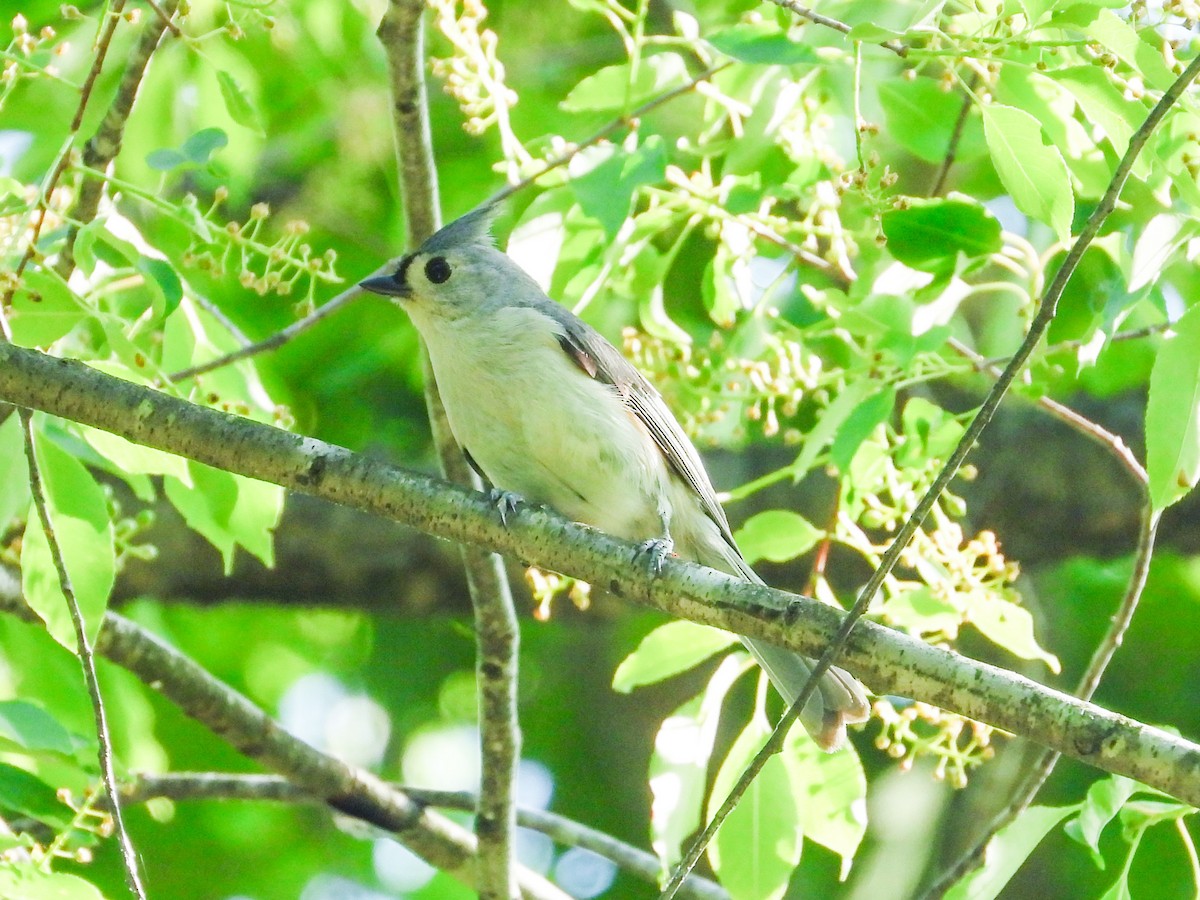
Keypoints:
pixel 1173 414
pixel 135 458
pixel 831 789
pixel 761 43
pixel 43 310
pixel 165 159
pixel 200 147
pixel 237 102
pixel 606 191
pixel 921 116
pixel 777 535
pixel 1105 798
pixel 25 793
pixel 610 89
pixel 32 728
pixel 679 764
pixel 228 510
pixel 667 651
pixel 860 424
pixel 28 882
pixel 1007 852
pixel 759 845
pixel 79 515
pixel 1008 625
pixel 927 233
pixel 14 472
pixel 828 425
pixel 1032 171
pixel 920 611
pixel 164 283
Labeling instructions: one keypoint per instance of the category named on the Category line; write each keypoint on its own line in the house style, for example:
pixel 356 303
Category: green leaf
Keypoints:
pixel 761 44
pixel 79 515
pixel 165 159
pixel 1007 852
pixel 43 310
pixel 759 845
pixel 25 793
pixel 921 611
pixel 228 510
pixel 165 286
pixel 135 458
pixel 1032 171
pixel 828 425
pixel 26 882
pixel 860 424
pixel 1173 414
pixel 831 789
pixel 606 90
pixel 32 728
pixel 667 651
pixel 237 102
pixel 679 764
pixel 200 147
pixel 1008 625
pixel 606 191
pixel 928 233
pixel 921 116
pixel 14 472
pixel 1103 104
pixel 777 535
pixel 1105 798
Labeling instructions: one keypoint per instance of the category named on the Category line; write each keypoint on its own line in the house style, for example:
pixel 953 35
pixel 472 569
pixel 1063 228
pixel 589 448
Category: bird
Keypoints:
pixel 548 412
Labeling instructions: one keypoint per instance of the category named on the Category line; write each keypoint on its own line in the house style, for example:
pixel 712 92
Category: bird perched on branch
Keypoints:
pixel 549 412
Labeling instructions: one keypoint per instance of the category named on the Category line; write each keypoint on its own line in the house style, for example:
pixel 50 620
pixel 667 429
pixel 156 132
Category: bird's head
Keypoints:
pixel 456 272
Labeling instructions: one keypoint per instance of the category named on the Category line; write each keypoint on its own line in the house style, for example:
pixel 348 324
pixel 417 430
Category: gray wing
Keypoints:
pixel 602 361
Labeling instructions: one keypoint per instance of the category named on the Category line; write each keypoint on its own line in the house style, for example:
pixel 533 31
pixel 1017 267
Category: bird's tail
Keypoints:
pixel 839 699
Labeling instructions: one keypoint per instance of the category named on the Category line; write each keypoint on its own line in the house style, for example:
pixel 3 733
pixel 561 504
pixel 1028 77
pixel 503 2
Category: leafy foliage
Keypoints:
pixel 801 236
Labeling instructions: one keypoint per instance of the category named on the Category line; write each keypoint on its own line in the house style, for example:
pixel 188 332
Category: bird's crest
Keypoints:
pixel 473 228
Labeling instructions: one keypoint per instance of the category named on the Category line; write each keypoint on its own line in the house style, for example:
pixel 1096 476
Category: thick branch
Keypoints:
pixel 889 661
pixel 496 632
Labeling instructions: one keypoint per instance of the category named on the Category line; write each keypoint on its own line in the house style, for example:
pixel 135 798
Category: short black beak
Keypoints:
pixel 387 285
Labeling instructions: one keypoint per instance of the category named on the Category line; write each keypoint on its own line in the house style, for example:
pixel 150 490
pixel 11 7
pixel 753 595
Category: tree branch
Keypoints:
pixel 564 831
pixel 83 649
pixel 497 634
pixel 890 661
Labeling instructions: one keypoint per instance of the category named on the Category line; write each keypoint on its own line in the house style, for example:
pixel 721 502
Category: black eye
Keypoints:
pixel 437 269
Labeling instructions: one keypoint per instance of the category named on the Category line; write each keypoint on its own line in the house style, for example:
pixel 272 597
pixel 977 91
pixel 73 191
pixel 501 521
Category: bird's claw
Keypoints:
pixel 655 551
pixel 506 503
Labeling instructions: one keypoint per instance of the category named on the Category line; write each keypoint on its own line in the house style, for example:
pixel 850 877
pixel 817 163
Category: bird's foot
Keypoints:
pixel 506 503
pixel 654 551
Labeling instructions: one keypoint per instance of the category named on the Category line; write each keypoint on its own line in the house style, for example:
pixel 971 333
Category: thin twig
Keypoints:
pixel 939 183
pixel 596 137
pixel 105 144
pixel 1093 431
pixel 497 633
pixel 1037 329
pixel 1040 769
pixel 84 649
pixel 816 18
pixel 275 788
pixel 102 45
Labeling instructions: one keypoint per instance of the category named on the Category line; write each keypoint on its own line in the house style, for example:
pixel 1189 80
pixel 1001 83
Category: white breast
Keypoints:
pixel 539 426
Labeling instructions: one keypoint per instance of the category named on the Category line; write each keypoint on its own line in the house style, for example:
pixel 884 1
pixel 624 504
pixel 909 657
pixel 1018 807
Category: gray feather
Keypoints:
pixel 471 230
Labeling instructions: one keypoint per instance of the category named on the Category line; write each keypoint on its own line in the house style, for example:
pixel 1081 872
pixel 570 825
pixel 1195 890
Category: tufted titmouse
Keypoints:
pixel 549 411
